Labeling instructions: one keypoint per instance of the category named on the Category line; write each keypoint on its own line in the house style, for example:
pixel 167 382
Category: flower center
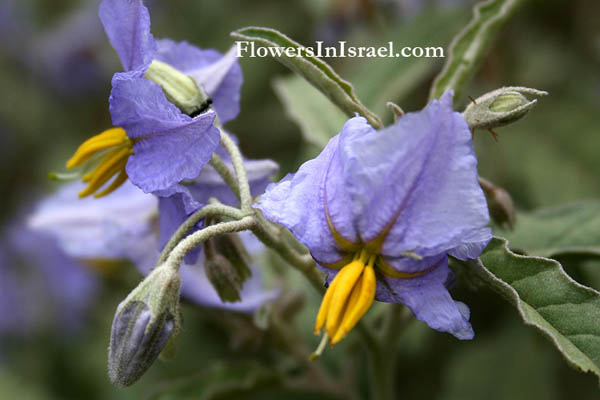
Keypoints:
pixel 348 298
pixel 102 157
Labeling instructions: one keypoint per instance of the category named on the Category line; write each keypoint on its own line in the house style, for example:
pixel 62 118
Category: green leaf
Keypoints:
pixel 566 312
pixel 382 79
pixel 318 118
pixel 572 229
pixel 313 69
pixel 220 381
pixel 469 47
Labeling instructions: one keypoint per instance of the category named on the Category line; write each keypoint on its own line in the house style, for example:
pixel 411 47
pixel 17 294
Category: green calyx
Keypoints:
pixel 179 88
pixel 500 107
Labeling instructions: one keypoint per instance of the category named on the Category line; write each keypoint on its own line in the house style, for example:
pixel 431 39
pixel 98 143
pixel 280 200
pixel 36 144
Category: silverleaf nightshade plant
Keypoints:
pixel 381 211
pixel 164 130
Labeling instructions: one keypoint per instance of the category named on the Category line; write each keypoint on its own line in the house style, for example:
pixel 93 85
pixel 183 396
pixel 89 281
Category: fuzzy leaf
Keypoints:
pixel 566 312
pixel 572 229
pixel 318 119
pixel 469 47
pixel 313 69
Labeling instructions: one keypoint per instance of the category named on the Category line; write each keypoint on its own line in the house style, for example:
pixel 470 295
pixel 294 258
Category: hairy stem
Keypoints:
pixel 222 169
pixel 197 238
pixel 304 263
pixel 240 171
pixel 182 231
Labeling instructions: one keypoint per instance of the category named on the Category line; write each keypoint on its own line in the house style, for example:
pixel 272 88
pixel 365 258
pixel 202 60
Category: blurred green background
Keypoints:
pixel 55 70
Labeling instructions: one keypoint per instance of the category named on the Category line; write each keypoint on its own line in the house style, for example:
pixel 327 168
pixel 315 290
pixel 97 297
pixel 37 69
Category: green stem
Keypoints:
pixel 182 231
pixel 222 169
pixel 197 238
pixel 383 354
pixel 304 263
pixel 240 172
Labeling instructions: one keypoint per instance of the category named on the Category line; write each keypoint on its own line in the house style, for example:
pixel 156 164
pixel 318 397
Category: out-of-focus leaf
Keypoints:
pixel 500 361
pixel 566 312
pixel 318 119
pixel 469 47
pixel 382 79
pixel 313 69
pixel 220 381
pixel 572 229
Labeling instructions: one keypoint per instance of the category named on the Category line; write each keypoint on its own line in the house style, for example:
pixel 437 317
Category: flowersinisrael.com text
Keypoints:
pixel 250 49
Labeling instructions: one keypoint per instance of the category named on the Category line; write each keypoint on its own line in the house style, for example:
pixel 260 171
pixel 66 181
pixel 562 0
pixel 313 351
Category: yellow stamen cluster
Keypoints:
pixel 106 155
pixel 348 298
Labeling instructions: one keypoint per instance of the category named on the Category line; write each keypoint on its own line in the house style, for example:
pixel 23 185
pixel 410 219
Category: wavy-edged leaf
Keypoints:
pixel 318 118
pixel 571 229
pixel 469 47
pixel 546 297
pixel 313 69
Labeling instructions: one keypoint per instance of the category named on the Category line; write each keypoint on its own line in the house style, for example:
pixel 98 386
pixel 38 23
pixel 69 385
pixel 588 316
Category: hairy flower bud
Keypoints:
pixel 500 107
pixel 224 277
pixel 233 249
pixel 500 204
pixel 179 88
pixel 144 323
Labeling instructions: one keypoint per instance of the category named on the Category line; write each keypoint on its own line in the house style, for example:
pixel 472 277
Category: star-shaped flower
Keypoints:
pixel 154 143
pixel 380 211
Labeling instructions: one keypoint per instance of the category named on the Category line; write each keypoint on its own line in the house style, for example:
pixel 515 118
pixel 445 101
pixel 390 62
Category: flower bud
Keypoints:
pixel 179 88
pixel 224 277
pixel 500 204
pixel 144 323
pixel 500 107
pixel 232 248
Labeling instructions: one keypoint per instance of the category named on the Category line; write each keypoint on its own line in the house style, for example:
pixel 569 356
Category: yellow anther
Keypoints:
pixel 325 304
pixel 114 162
pixel 107 139
pixel 114 185
pixel 348 277
pixel 348 298
pixel 360 301
pixel 103 156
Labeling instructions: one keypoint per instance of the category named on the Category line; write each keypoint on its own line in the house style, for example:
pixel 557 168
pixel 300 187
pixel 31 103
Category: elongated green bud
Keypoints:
pixel 224 278
pixel 500 107
pixel 500 204
pixel 144 323
pixel 179 88
pixel 232 248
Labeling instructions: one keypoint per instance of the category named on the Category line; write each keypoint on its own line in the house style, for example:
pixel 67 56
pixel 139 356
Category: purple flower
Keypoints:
pixel 385 209
pixel 124 226
pixel 156 145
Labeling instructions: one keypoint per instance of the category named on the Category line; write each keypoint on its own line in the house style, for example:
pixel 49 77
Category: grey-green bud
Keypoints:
pixel 500 204
pixel 232 248
pixel 180 89
pixel 144 323
pixel 224 277
pixel 500 107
